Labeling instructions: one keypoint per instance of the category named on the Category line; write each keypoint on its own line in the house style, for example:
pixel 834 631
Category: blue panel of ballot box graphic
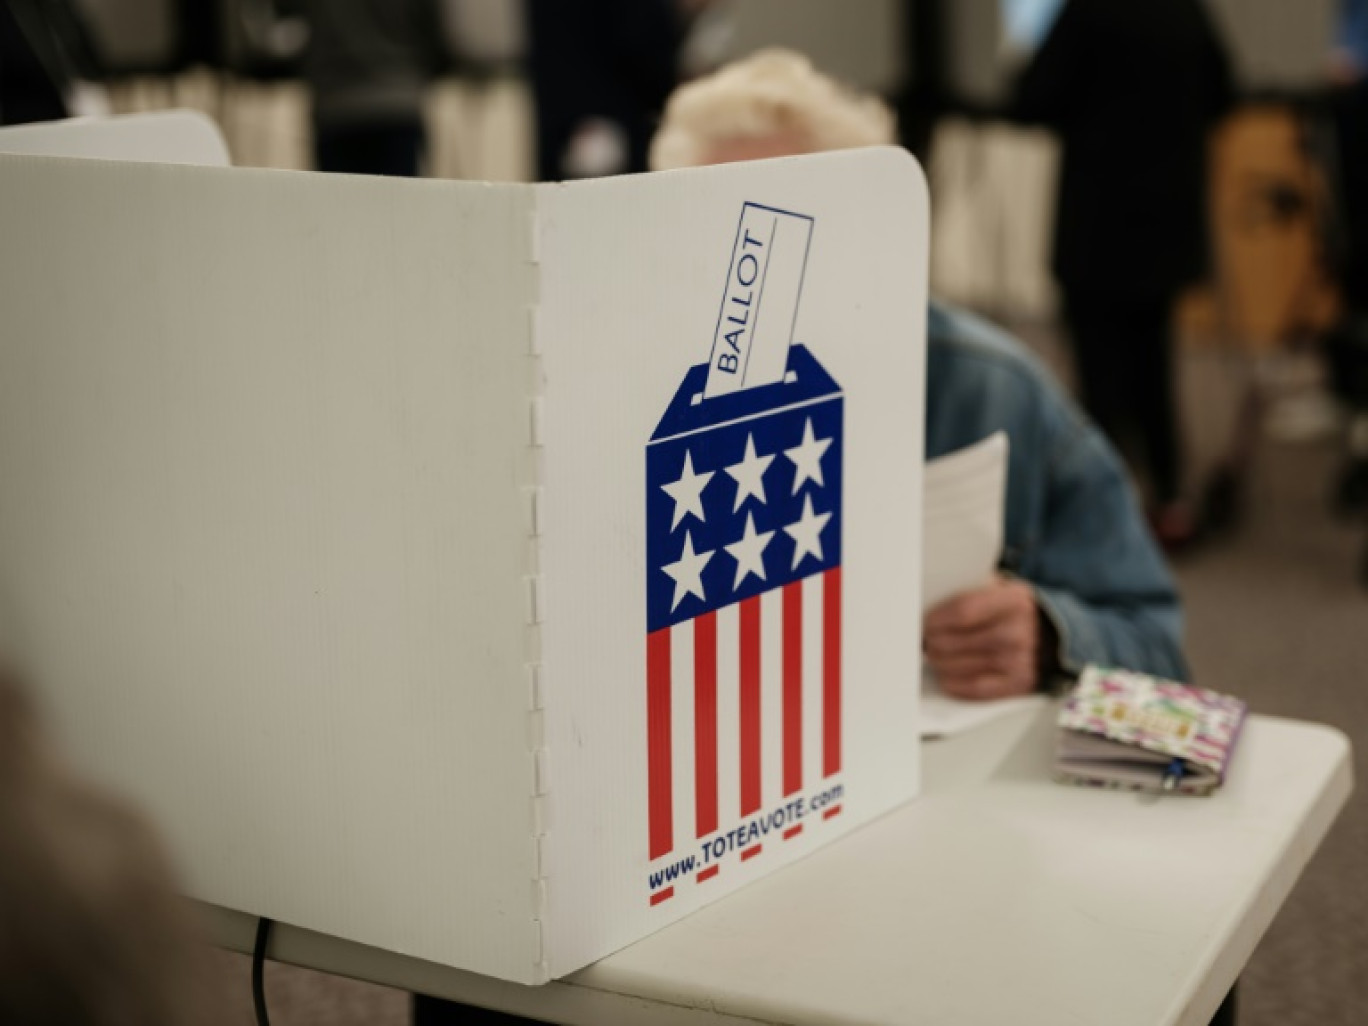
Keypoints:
pixel 743 490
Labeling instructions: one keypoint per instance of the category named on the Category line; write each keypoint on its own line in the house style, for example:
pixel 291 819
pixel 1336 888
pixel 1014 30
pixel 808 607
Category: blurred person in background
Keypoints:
pixel 369 64
pixel 1133 91
pixel 1081 580
pixel 601 71
pixel 91 930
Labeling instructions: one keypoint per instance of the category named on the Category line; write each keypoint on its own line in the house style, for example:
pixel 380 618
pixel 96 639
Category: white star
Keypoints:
pixel 807 458
pixel 687 573
pixel 687 492
pixel 807 533
pixel 749 474
pixel 749 552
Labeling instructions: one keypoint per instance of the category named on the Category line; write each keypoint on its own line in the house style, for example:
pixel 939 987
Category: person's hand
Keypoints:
pixel 985 644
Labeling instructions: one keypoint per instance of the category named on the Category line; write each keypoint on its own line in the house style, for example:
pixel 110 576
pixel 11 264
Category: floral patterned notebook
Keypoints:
pixel 1129 730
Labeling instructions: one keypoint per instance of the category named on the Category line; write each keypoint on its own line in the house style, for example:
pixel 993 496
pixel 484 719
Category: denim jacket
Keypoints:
pixel 1073 526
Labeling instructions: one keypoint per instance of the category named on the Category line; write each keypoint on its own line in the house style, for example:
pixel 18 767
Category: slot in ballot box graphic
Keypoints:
pixel 407 550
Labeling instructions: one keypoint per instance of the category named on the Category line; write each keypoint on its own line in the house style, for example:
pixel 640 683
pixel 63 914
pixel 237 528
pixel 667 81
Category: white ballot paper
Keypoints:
pixel 964 500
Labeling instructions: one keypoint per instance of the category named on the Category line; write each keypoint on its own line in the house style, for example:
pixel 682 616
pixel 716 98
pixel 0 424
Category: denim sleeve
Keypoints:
pixel 1097 573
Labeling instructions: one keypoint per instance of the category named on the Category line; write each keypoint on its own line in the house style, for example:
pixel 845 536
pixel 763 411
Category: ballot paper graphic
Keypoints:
pixel 743 589
pixel 760 302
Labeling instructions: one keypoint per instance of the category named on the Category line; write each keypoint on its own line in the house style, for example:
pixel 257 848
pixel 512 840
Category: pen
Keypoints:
pixel 1173 774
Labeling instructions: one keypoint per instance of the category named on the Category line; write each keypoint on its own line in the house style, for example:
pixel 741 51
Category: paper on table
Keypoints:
pixel 943 716
pixel 965 494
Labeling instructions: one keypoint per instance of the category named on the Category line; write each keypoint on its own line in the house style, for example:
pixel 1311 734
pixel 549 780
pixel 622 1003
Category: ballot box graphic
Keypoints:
pixel 743 536
pixel 743 511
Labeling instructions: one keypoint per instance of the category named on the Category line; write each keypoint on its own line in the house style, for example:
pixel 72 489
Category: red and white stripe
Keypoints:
pixel 743 710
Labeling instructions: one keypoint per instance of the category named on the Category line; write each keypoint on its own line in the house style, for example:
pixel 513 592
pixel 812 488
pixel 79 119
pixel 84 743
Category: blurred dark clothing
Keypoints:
pixel 923 96
pixel 28 91
pixel 201 35
pixel 43 48
pixel 609 59
pixel 371 61
pixel 370 149
pixel 1124 356
pixel 369 64
pixel 1349 110
pixel 1133 89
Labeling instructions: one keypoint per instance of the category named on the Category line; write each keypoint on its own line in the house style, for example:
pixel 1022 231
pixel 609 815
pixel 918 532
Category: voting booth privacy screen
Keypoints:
pixel 491 574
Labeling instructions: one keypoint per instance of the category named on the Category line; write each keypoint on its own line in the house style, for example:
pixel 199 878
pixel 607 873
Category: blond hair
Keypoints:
pixel 771 93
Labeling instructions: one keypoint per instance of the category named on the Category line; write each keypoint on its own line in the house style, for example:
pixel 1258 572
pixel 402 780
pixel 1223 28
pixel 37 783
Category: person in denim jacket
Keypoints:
pixel 1078 557
pixel 1081 579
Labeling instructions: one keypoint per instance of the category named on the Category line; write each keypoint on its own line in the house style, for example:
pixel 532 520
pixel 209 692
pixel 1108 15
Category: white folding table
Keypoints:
pixel 999 896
